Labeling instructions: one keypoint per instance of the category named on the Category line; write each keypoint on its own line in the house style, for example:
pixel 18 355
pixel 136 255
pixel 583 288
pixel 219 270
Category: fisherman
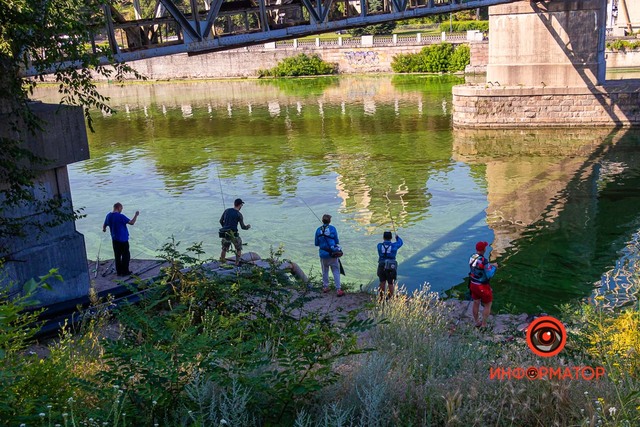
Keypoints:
pixel 117 223
pixel 327 240
pixel 387 264
pixel 479 275
pixel 229 221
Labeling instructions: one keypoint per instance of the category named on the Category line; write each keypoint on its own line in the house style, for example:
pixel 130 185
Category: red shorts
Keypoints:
pixel 482 293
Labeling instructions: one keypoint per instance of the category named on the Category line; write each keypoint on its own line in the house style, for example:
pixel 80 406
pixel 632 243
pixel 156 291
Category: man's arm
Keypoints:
pixel 399 242
pixel 135 217
pixel 104 225
pixel 336 233
pixel 241 221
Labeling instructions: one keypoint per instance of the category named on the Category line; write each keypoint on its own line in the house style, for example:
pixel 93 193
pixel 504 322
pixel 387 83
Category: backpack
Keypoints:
pixel 389 264
pixel 334 251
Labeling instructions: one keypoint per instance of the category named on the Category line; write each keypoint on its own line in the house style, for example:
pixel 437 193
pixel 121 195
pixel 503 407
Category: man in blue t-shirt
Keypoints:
pixel 117 223
pixel 387 264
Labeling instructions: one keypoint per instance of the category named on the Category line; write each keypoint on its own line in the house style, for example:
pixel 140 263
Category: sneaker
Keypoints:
pixel 340 293
pixel 325 289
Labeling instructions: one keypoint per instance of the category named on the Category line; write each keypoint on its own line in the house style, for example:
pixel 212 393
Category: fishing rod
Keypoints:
pixel 98 258
pixel 308 207
pixel 220 184
pixel 393 224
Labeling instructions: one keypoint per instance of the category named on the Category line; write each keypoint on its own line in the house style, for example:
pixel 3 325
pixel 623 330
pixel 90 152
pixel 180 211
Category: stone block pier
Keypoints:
pixel 546 68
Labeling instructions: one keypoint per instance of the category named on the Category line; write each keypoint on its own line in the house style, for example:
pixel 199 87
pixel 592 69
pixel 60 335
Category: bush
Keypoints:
pixel 462 26
pixel 384 28
pixel 438 58
pixel 460 58
pixel 623 45
pixel 300 65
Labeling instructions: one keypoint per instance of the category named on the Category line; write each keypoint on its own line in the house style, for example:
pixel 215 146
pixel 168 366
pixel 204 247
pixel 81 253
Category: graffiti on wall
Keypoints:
pixel 361 58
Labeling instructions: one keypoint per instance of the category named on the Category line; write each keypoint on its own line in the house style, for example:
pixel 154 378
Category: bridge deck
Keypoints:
pixel 224 24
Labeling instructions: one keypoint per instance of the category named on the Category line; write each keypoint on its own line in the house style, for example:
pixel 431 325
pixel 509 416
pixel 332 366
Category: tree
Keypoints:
pixel 385 28
pixel 44 37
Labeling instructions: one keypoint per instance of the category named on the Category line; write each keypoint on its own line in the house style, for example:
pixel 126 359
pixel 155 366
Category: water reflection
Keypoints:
pixel 561 211
pixel 377 153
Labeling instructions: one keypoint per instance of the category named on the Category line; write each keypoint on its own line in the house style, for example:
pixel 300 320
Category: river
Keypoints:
pixel 561 208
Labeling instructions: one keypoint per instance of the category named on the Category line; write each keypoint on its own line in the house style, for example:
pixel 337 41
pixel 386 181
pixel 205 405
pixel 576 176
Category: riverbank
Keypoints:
pixel 459 312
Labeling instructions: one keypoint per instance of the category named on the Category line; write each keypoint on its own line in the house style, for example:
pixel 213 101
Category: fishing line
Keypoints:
pixel 308 207
pixel 98 257
pixel 220 183
pixel 393 224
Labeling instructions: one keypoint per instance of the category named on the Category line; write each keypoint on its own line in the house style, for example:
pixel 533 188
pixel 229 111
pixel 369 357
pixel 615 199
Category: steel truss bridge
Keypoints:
pixel 197 26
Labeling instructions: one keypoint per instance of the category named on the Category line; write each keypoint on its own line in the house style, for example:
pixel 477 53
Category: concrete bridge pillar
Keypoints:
pixel 62 141
pixel 556 43
pixel 546 68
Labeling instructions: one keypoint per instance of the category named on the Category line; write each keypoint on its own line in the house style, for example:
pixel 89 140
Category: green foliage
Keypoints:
pixel 460 58
pixel 24 380
pixel 623 45
pixel 197 349
pixel 300 65
pixel 384 28
pixel 438 58
pixel 44 37
pixel 302 87
pixel 462 26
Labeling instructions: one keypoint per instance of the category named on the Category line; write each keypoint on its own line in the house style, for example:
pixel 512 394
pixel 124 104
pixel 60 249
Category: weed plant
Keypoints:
pixel 437 58
pixel 237 350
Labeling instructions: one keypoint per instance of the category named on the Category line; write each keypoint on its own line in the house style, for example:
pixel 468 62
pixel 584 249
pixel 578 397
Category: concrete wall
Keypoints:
pixel 547 43
pixel 613 104
pixel 614 59
pixel 62 141
pixel 246 63
pixel 629 59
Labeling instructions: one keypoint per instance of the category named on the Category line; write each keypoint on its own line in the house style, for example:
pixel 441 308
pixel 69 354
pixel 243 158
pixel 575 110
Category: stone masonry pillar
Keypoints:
pixel 63 140
pixel 546 68
pixel 555 43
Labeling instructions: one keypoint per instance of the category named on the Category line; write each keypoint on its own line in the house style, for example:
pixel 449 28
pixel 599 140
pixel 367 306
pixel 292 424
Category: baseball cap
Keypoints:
pixel 481 246
pixel 238 202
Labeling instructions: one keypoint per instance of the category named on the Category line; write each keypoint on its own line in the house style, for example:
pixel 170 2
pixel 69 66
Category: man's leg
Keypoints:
pixel 225 246
pixel 117 256
pixel 382 289
pixel 237 243
pixel 335 268
pixel 126 257
pixel 391 288
pixel 325 273
pixel 475 310
pixel 486 310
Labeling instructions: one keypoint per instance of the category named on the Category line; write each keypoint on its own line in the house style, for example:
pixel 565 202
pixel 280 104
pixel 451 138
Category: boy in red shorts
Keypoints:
pixel 480 274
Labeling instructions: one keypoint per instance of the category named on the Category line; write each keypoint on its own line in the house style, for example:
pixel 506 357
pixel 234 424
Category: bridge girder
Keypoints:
pixel 196 30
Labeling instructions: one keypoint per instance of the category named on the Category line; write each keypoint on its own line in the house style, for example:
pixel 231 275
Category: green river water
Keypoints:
pixel 561 208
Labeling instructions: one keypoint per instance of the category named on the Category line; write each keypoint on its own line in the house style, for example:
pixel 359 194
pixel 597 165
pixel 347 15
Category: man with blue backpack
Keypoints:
pixel 387 264
pixel 479 275
pixel 329 249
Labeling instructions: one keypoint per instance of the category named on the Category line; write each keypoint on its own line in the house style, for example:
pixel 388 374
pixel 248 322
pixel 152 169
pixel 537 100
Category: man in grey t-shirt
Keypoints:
pixel 229 220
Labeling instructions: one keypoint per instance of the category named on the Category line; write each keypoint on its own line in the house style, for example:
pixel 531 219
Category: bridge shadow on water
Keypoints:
pixel 576 244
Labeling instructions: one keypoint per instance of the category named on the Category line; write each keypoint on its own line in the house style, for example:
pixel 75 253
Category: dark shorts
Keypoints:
pixel 386 275
pixel 237 243
pixel 482 293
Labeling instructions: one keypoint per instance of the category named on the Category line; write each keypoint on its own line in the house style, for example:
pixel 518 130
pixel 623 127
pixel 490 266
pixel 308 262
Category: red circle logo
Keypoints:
pixel 546 336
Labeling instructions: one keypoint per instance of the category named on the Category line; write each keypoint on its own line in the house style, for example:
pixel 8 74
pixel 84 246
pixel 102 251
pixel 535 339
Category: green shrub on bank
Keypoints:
pixel 437 58
pixel 199 350
pixel 623 45
pixel 462 26
pixel 300 65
